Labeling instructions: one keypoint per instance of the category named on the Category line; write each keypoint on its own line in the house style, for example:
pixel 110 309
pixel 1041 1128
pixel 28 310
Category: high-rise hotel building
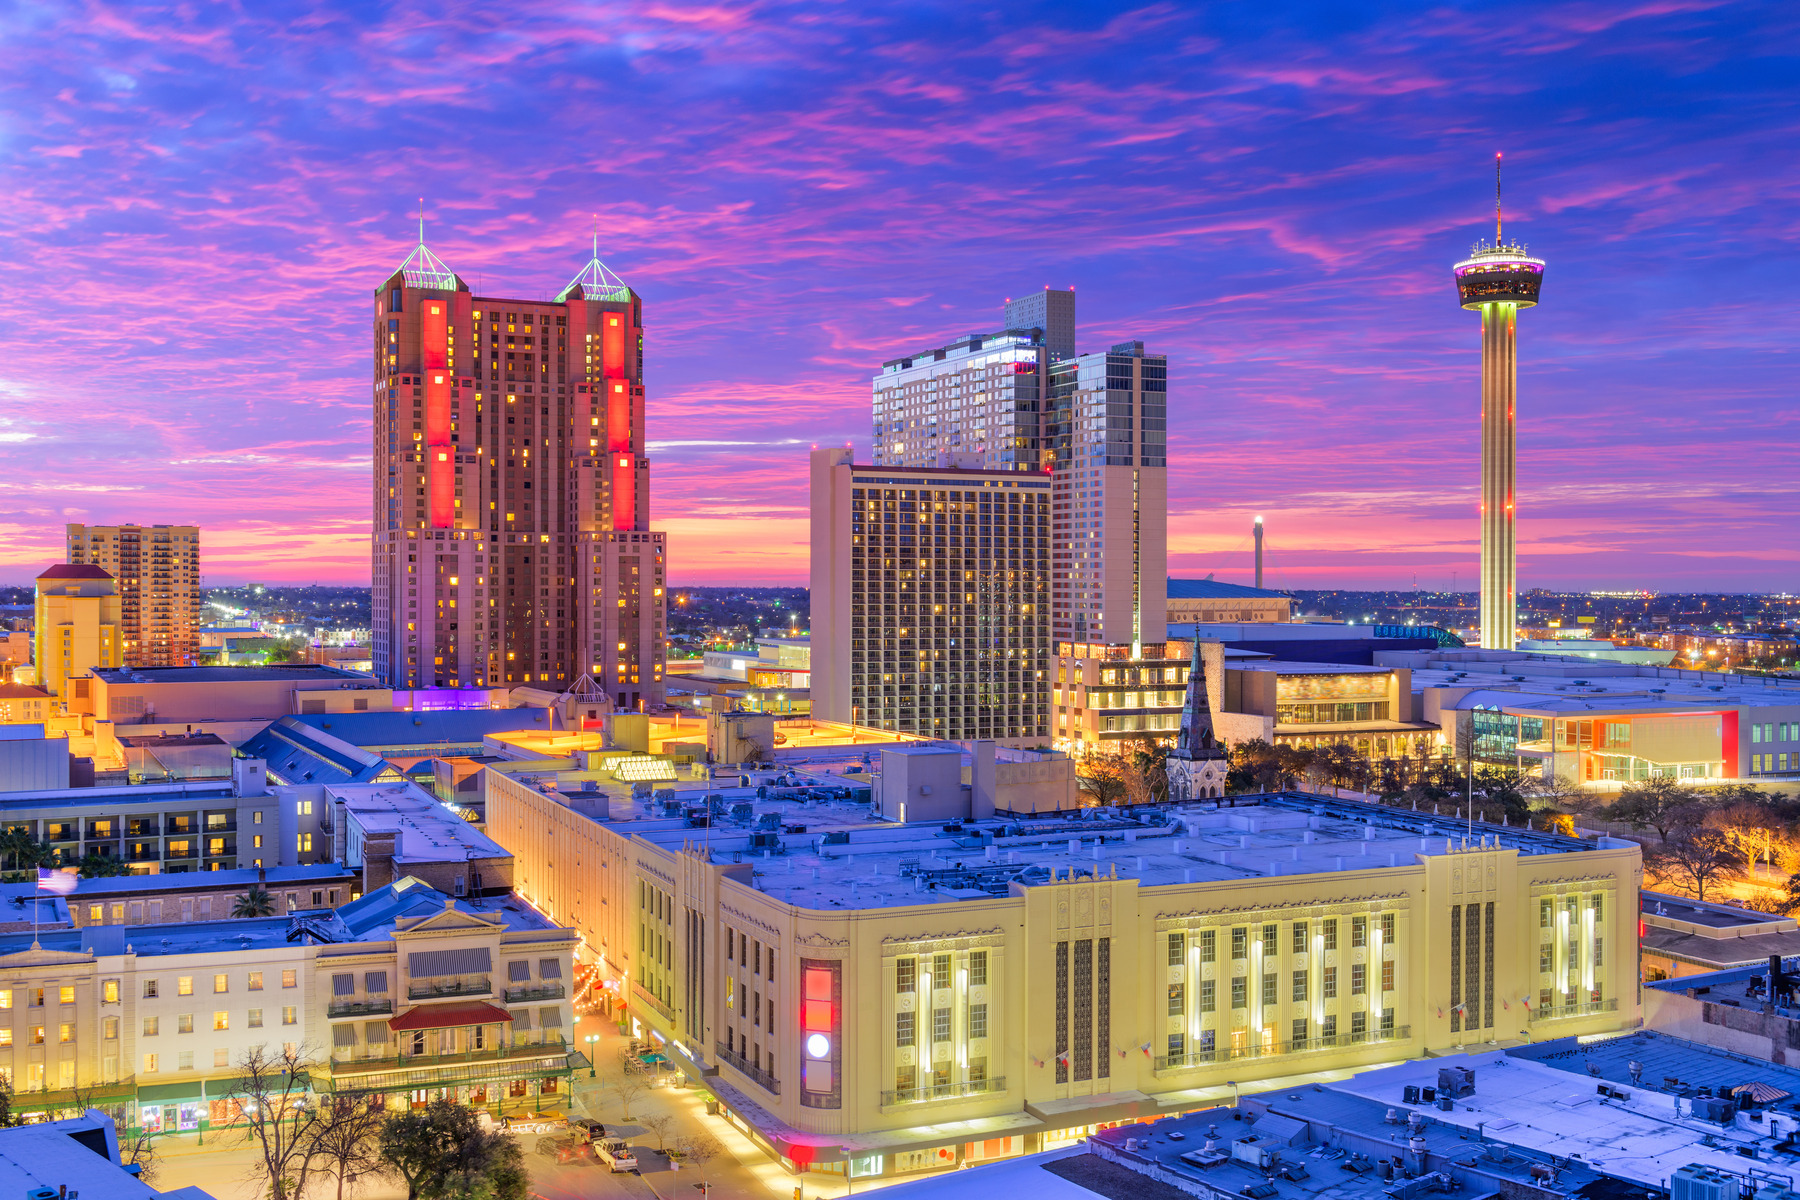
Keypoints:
pixel 157 568
pixel 1096 424
pixel 512 540
pixel 930 599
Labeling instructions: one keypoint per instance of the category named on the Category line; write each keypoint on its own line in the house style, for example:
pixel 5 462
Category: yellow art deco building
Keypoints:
pixel 884 998
pixel 76 626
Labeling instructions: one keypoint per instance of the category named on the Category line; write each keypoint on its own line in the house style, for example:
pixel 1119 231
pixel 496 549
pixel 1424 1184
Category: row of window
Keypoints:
pixel 1328 988
pixel 937 971
pixel 1269 937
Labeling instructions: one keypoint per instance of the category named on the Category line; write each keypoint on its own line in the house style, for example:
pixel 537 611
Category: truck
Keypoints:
pixel 616 1155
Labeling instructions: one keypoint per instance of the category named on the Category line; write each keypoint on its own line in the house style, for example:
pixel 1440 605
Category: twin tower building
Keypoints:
pixel 1017 498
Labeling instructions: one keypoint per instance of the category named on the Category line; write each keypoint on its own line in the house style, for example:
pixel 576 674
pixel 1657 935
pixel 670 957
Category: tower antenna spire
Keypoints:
pixel 1496 198
pixel 596 235
pixel 421 220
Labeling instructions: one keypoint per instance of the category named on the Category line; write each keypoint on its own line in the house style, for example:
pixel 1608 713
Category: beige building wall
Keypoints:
pixel 1101 973
pixel 829 581
pixel 1243 609
pixel 158 569
pixel 77 630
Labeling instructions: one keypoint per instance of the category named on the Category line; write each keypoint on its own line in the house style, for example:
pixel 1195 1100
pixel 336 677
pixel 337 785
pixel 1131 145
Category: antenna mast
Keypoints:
pixel 421 220
pixel 1496 199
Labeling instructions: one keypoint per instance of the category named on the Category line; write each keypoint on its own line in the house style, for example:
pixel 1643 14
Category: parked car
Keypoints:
pixel 589 1128
pixel 616 1155
pixel 567 1147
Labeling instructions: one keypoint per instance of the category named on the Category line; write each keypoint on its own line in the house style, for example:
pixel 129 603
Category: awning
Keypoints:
pixel 449 1016
pixel 471 961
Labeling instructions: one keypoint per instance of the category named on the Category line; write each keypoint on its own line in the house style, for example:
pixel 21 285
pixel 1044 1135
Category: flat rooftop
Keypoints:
pixel 424 830
pixel 163 741
pixel 1280 666
pixel 274 878
pixel 215 793
pixel 1545 1099
pixel 1320 1142
pixel 1562 685
pixel 833 853
pixel 277 673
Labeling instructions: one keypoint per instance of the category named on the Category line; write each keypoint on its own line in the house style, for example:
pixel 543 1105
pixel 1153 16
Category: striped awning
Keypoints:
pixel 449 1016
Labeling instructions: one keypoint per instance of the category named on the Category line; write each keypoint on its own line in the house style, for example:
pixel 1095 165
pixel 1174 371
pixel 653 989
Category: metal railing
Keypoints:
pixel 1219 1054
pixel 534 991
pixel 499 1053
pixel 943 1091
pixel 763 1079
pixel 450 987
pixel 1558 1011
pixel 358 1008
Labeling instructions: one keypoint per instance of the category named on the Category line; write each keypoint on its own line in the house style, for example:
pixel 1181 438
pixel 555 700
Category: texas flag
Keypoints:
pixel 60 882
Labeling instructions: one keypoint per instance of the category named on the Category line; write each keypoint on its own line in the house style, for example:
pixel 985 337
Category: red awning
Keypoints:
pixel 450 1016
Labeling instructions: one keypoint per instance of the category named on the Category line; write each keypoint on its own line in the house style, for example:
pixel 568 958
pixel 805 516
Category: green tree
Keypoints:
pixel 102 866
pixel 442 1153
pixel 256 902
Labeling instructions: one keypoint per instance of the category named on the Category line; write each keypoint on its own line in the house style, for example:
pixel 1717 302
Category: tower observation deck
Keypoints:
pixel 1497 281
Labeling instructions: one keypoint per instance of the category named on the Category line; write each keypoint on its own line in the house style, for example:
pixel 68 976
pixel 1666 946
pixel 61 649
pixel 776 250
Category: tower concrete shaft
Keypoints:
pixel 1499 476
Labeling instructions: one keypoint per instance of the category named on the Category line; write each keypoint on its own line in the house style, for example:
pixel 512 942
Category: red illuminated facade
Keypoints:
pixel 511 538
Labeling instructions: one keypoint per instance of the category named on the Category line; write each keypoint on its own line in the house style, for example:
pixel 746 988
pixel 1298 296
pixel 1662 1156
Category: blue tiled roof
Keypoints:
pixel 297 753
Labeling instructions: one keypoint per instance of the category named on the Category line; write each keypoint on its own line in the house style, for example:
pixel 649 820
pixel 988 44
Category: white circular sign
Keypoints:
pixel 818 1045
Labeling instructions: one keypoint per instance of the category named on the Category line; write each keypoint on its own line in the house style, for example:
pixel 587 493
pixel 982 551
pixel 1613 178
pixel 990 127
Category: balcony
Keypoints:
pixel 534 991
pixel 943 1091
pixel 179 850
pixel 391 1072
pixel 141 829
pixel 226 825
pixel 360 1008
pixel 1201 1058
pixel 1557 1012
pixel 433 989
pixel 760 1077
pixel 144 854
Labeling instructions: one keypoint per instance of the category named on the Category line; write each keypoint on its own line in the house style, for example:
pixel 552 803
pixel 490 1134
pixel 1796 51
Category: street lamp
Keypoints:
pixel 591 1039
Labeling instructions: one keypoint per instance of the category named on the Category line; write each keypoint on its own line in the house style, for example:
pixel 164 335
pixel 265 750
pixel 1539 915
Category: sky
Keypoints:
pixel 196 201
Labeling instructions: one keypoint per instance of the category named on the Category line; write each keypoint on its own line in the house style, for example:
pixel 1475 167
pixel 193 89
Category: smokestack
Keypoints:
pixel 1259 552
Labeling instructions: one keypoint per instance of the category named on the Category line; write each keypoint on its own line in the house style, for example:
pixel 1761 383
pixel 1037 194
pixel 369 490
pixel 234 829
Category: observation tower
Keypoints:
pixel 1497 281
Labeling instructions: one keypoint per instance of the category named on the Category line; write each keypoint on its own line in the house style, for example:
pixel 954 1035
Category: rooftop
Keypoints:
pixel 80 1154
pixel 424 830
pixel 297 753
pixel 831 853
pixel 1546 1098
pixel 190 881
pixel 75 571
pixel 438 728
pixel 1561 685
pixel 372 918
pixel 275 673
pixel 200 793
pixel 148 741
pixel 1218 589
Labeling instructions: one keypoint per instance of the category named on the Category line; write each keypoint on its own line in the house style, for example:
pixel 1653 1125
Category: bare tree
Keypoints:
pixel 630 1086
pixel 1697 859
pixel 659 1124
pixel 271 1092
pixel 140 1152
pixel 345 1142
pixel 700 1149
pixel 1662 804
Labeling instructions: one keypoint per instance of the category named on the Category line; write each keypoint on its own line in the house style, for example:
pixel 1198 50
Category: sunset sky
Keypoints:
pixel 199 198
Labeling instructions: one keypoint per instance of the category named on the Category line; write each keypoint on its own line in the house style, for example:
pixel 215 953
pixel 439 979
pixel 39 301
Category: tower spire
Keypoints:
pixel 421 220
pixel 1496 198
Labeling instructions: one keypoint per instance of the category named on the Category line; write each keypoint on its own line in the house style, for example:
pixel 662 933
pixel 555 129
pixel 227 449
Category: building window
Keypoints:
pixel 904 1034
pixel 1387 928
pixel 255 1021
pixel 184 1023
pixel 109 991
pixel 1359 1026
pixel 1240 941
pixel 1206 995
pixel 288 979
pixel 221 984
pixel 256 981
pixel 1299 985
pixel 978 1014
pixel 1387 976
pixel 940 1025
pixel 1299 1033
pixel 149 1064
pixel 290 1015
pixel 221 1020
pixel 1208 946
pixel 1238 990
pixel 65 994
pixel 1177 1000
pixel 1358 980
pixel 1329 928
pixel 1328 983
pixel 978 967
pixel 150 1026
pixel 1177 944
pixel 1268 988
pixel 906 976
pixel 1299 937
pixel 184 986
pixel 1359 932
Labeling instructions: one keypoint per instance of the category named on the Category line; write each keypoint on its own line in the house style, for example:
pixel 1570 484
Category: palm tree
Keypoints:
pixel 254 903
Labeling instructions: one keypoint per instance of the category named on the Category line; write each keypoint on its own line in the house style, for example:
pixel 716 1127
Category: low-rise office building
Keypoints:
pixel 844 980
pixel 207 826
pixel 190 896
pixel 403 996
pixel 1681 936
pixel 1214 600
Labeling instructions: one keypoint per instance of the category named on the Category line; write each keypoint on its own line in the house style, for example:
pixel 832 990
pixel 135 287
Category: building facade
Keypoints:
pixel 158 572
pixel 78 630
pixel 1108 699
pixel 402 996
pixel 511 501
pixel 1209 600
pixel 930 600
pixel 869 990
pixel 1023 400
pixel 1107 426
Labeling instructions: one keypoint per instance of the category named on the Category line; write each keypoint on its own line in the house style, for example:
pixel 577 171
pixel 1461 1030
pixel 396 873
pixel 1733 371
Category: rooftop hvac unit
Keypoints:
pixel 1699 1182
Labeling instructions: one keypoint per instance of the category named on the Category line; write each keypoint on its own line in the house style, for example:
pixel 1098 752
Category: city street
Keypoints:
pixel 225 1167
